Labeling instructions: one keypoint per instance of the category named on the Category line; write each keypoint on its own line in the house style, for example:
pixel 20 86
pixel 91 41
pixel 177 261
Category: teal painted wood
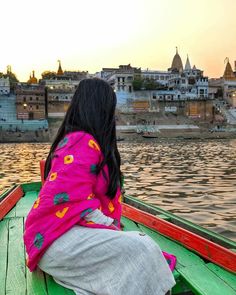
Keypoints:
pixel 184 256
pixel 11 213
pixel 36 283
pixel 129 224
pixel 31 186
pixel 25 203
pixel 192 268
pixel 55 289
pixel 204 282
pixel 3 254
pixel 15 280
pixel 228 277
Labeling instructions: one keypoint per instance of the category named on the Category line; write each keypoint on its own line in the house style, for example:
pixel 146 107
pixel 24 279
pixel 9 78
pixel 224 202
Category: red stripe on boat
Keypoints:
pixel 209 250
pixel 11 199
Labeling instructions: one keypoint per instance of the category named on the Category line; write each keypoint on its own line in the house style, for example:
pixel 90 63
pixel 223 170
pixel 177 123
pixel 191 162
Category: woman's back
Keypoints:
pixel 71 191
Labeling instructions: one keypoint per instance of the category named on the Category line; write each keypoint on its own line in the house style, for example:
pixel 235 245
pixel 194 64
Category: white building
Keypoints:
pixel 120 78
pixel 186 83
pixel 4 85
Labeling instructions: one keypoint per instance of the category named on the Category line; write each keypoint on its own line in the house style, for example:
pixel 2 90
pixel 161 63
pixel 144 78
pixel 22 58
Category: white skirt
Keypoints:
pixel 106 262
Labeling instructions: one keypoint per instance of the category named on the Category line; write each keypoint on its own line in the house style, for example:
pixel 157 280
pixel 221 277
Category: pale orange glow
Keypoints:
pixel 89 35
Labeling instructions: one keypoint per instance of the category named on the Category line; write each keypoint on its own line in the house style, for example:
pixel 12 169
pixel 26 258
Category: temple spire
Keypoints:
pixel 228 73
pixel 187 65
pixel 59 71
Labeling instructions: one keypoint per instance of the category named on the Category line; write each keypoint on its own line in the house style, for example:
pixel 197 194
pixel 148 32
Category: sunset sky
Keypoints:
pixel 91 34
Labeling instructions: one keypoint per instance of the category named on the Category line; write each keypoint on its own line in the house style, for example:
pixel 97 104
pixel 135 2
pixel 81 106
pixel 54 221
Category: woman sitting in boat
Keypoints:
pixel 73 229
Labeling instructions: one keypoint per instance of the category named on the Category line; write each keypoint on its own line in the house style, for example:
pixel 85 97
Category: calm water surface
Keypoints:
pixel 193 179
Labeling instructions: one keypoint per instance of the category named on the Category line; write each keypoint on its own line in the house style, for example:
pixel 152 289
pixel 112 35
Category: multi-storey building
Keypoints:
pixel 30 102
pixel 120 78
pixel 60 88
pixel 4 85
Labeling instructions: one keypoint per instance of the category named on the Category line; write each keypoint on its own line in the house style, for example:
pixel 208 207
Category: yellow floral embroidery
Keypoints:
pixel 90 196
pixel 90 222
pixel 100 208
pixel 68 159
pixel 111 207
pixel 120 198
pixel 36 203
pixel 93 145
pixel 53 176
pixel 61 213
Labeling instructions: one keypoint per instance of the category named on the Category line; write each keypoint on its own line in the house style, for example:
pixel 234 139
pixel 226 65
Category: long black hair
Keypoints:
pixel 92 109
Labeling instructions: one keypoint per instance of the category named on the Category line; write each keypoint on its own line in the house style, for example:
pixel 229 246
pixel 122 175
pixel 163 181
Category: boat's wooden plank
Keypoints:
pixel 11 213
pixel 226 276
pixel 55 289
pixel 207 249
pixel 31 186
pixel 3 254
pixel 221 240
pixel 184 256
pixel 35 281
pixel 129 224
pixel 10 200
pixel 5 193
pixel 25 203
pixel 203 281
pixel 15 280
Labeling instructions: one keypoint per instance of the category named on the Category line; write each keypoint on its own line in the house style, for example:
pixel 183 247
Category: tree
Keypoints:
pixel 137 84
pixel 147 84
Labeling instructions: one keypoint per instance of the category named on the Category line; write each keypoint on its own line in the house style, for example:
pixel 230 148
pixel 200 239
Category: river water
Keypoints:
pixel 193 179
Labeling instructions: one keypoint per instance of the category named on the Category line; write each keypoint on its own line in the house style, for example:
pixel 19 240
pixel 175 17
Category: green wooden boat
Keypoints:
pixel 206 261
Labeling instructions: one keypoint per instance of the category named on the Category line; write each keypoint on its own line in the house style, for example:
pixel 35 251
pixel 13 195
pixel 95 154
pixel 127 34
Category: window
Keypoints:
pixel 31 98
pixel 37 107
pixel 37 98
pixel 154 97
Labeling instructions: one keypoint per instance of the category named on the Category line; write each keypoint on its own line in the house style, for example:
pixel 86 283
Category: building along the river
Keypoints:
pixel 4 85
pixel 60 88
pixel 181 91
pixel 30 100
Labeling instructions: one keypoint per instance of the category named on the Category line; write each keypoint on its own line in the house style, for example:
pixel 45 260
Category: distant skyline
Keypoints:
pixel 89 35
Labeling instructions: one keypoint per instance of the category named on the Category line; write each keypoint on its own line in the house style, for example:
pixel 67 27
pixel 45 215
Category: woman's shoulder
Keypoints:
pixel 80 138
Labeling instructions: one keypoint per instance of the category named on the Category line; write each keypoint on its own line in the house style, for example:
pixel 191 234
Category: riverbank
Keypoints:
pixel 122 135
pixel 167 129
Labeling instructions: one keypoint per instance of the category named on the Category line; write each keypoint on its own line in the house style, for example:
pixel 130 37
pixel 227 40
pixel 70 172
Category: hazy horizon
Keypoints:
pixel 89 35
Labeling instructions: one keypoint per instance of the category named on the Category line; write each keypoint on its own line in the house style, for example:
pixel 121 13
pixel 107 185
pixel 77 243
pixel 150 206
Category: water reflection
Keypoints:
pixel 193 179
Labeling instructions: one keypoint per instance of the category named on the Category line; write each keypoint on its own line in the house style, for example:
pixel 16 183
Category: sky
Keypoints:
pixel 92 34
